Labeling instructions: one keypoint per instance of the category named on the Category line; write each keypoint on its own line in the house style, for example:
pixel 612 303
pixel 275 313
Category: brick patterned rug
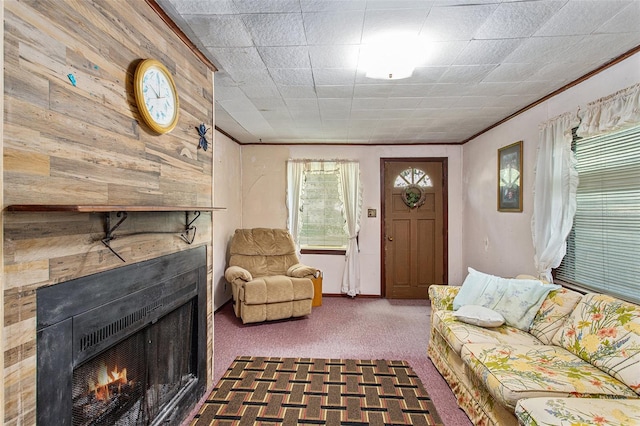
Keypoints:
pixel 291 391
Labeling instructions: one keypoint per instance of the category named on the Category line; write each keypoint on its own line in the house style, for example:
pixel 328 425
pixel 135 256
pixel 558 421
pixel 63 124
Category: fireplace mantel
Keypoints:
pixel 100 208
pixel 188 235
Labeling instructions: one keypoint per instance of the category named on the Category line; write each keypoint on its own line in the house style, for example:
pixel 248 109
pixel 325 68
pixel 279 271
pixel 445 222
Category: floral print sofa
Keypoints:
pixel 578 364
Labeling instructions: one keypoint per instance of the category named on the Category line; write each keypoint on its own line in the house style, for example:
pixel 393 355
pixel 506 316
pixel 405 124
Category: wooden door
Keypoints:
pixel 414 226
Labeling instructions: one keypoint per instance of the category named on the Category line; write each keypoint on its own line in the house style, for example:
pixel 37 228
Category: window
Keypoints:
pixel 603 247
pixel 412 176
pixel 322 221
pixel 324 205
pixel 413 181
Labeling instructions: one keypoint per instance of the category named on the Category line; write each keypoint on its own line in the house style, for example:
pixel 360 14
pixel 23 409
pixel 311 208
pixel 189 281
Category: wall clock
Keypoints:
pixel 156 96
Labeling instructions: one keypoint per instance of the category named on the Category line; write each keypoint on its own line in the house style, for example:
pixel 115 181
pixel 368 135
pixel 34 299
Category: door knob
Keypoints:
pixel 390 238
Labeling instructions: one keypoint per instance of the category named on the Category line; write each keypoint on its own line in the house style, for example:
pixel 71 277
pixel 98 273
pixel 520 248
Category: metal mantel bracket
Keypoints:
pixel 190 228
pixel 188 235
pixel 109 231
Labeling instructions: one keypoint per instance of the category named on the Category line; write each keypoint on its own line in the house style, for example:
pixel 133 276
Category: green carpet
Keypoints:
pixel 290 391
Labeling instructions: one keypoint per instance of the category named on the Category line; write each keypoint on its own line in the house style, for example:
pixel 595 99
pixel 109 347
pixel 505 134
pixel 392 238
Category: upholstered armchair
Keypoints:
pixel 268 281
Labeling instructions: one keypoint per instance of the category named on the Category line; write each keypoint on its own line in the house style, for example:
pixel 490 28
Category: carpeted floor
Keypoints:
pixel 344 328
pixel 292 391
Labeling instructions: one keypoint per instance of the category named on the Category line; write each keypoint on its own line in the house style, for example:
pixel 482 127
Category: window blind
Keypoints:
pixel 603 248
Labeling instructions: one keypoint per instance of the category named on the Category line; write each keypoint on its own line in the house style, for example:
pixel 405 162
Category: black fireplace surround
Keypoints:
pixel 81 318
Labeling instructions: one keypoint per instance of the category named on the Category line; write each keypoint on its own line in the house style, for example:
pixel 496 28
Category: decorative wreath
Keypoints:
pixel 413 196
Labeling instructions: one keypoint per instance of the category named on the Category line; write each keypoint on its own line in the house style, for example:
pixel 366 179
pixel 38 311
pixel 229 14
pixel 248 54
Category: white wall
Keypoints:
pixel 501 243
pixel 264 180
pixel 264 173
pixel 227 193
pixel 250 182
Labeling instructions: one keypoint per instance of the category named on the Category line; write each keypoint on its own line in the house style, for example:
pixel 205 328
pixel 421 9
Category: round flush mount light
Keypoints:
pixel 392 56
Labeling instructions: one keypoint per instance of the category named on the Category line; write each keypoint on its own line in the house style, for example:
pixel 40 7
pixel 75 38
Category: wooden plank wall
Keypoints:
pixel 84 144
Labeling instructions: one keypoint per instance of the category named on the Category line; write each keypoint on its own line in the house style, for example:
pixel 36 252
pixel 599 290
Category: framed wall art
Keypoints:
pixel 510 178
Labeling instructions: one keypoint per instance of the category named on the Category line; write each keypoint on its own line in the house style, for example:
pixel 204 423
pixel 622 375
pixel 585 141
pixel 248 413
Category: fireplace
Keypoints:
pixel 125 346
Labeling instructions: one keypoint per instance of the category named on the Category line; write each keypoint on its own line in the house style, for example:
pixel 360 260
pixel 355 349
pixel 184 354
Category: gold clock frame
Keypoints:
pixel 142 67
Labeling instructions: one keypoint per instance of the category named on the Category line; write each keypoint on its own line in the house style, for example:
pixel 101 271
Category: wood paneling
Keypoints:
pixel 84 144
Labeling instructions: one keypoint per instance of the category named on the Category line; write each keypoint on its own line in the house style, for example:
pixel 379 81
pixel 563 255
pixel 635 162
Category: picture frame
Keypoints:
pixel 510 178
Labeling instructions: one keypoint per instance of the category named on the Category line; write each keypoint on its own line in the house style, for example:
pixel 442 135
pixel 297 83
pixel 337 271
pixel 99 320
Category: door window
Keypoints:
pixel 413 176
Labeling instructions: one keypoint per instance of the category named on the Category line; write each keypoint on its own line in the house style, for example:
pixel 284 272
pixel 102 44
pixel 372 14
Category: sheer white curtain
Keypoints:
pixel 556 178
pixel 554 193
pixel 618 111
pixel 351 197
pixel 295 178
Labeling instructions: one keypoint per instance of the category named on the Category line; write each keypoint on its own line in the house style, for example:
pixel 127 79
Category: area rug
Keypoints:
pixel 290 391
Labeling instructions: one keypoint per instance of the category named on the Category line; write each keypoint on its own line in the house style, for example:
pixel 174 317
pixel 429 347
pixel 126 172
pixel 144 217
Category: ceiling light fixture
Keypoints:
pixel 392 56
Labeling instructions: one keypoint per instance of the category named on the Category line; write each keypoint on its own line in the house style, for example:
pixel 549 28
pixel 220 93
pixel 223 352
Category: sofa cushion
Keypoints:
pixel 302 288
pixel 553 313
pixel 260 266
pixel 273 311
pixel 605 332
pixel 578 411
pixel 457 333
pixel 517 300
pixel 513 372
pixel 276 289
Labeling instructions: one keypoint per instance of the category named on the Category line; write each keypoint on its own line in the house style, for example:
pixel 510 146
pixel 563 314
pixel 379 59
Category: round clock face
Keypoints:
pixel 156 96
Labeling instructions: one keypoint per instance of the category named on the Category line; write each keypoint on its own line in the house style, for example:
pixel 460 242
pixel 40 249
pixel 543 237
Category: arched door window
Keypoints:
pixel 413 181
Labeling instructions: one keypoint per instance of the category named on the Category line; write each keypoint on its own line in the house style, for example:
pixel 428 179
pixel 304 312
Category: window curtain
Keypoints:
pixel 618 111
pixel 554 193
pixel 295 178
pixel 350 192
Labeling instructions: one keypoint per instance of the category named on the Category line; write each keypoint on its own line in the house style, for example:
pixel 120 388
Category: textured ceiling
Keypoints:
pixel 288 69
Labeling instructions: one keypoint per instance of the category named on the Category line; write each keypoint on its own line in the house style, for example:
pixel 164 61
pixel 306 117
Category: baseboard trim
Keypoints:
pixel 223 305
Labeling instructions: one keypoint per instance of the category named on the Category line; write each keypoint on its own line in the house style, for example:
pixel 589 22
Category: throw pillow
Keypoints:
pixel 517 300
pixel 472 288
pixel 479 315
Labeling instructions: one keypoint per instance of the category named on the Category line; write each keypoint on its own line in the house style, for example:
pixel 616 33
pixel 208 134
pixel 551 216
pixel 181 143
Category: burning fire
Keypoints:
pixel 101 387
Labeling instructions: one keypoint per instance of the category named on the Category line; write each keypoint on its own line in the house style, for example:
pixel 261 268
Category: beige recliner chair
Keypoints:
pixel 267 280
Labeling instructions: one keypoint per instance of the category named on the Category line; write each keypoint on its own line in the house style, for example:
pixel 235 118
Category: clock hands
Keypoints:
pixel 159 87
pixel 155 92
pixel 158 101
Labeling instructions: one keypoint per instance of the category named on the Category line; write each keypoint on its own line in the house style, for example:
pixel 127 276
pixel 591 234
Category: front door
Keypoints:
pixel 414 226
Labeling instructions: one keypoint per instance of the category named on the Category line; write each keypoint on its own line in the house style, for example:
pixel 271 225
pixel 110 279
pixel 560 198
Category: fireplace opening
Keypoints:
pixel 106 387
pixel 130 383
pixel 124 347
